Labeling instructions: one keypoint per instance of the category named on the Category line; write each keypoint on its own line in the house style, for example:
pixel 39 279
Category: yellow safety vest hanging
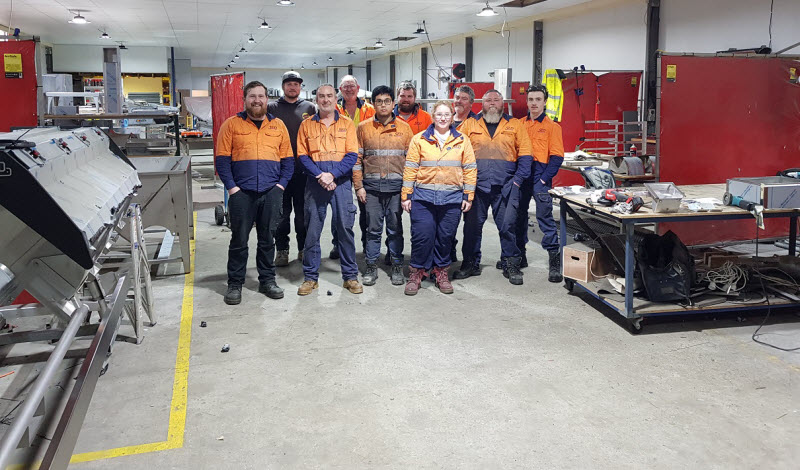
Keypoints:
pixel 555 100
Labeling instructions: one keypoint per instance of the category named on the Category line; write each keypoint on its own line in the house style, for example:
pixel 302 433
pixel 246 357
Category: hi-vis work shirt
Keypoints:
pixel 381 155
pixel 502 157
pixel 555 95
pixel 364 111
pixel 328 149
pixel 419 120
pixel 547 144
pixel 439 175
pixel 252 158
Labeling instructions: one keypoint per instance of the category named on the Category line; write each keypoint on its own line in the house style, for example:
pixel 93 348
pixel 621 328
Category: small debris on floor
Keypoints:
pixel 202 324
pixel 330 293
pixel 226 347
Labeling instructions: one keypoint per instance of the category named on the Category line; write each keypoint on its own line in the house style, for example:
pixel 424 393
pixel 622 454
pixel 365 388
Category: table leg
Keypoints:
pixel 629 268
pixel 562 216
pixel 793 235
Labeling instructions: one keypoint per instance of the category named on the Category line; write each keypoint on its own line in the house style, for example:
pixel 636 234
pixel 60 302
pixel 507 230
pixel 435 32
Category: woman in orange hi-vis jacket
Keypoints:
pixel 438 184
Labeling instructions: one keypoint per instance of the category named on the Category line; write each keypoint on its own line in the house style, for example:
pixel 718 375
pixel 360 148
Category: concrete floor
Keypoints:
pixel 493 376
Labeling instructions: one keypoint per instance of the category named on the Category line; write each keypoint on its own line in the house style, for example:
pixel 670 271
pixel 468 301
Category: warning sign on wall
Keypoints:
pixel 12 65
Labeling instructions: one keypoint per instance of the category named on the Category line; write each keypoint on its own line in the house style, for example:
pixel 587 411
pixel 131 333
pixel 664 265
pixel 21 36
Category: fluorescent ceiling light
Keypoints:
pixel 487 11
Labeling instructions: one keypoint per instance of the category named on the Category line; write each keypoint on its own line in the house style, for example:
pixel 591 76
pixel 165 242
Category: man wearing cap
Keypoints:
pixel 292 110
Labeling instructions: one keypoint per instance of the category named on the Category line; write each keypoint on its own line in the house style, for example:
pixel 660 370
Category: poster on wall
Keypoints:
pixel 12 65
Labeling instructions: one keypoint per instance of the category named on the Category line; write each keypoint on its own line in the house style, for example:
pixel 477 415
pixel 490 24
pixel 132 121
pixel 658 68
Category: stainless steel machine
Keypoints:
pixel 65 197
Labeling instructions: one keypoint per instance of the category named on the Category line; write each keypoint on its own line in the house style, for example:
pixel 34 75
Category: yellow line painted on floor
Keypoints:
pixel 180 385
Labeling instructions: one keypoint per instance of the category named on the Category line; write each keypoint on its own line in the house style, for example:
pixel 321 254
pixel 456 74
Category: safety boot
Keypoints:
pixel 370 274
pixel 282 258
pixel 415 278
pixel 353 286
pixel 511 270
pixel 555 266
pixel 334 254
pixel 469 267
pixel 307 287
pixel 271 290
pixel 234 295
pixel 441 279
pixel 397 274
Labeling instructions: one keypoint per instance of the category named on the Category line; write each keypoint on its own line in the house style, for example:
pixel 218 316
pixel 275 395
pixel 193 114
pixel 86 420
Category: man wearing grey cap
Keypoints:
pixel 292 110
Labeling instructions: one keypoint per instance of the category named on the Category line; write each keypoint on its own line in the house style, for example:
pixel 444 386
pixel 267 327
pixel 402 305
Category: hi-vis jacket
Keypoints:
pixel 502 158
pixel 555 102
pixel 332 149
pixel 251 158
pixel 381 155
pixel 437 175
pixel 547 144
pixel 364 111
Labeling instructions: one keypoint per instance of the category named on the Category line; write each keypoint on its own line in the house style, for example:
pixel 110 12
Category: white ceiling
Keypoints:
pixel 209 32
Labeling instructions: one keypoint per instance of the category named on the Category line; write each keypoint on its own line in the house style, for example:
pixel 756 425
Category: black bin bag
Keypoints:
pixel 666 267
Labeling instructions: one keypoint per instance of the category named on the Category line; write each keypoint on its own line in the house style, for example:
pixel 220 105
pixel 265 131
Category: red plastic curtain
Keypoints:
pixel 226 99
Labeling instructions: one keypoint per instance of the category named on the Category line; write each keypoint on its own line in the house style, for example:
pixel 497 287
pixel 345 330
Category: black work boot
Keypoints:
pixel 555 266
pixel 334 254
pixel 398 279
pixel 370 274
pixel 271 290
pixel 234 295
pixel 500 264
pixel 469 267
pixel 511 270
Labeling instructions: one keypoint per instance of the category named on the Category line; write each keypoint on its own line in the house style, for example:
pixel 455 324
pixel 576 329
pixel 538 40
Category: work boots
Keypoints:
pixel 370 274
pixel 271 290
pixel 511 270
pixel 397 274
pixel 282 258
pixel 414 280
pixel 522 264
pixel 469 267
pixel 555 266
pixel 353 286
pixel 441 279
pixel 234 295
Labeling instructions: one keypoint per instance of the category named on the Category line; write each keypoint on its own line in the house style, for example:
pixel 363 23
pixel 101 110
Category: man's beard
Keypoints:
pixel 406 108
pixel 257 112
pixel 291 95
pixel 492 116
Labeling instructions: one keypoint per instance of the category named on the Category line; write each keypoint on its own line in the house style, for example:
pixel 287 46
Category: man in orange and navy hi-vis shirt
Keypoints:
pixel 328 149
pixel 409 110
pixel 255 162
pixel 548 154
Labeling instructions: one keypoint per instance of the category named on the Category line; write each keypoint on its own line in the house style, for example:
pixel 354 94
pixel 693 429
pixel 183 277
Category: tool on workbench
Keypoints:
pixel 756 209
pixel 621 202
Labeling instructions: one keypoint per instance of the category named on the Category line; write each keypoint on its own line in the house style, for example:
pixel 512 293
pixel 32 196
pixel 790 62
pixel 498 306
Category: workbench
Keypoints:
pixel 635 309
pixel 623 180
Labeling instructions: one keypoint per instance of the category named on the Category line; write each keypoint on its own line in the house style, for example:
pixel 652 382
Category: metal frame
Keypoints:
pixel 628 225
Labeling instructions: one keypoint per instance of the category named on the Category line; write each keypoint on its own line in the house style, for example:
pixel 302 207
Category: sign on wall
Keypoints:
pixel 12 64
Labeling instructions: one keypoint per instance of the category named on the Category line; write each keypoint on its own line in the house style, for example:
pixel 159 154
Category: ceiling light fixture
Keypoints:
pixel 314 63
pixel 285 3
pixel 105 35
pixel 330 58
pixel 487 11
pixel 420 29
pixel 302 66
pixel 78 19
pixel 264 24
pixel 251 40
pixel 242 50
pixel 122 46
pixel 236 56
pixel 350 51
pixel 378 43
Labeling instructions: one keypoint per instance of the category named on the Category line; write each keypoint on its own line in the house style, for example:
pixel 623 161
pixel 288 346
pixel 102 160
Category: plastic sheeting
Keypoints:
pixel 726 117
pixel 199 106
pixel 226 99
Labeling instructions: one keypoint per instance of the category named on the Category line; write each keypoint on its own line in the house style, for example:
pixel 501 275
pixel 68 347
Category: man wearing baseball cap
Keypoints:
pixel 292 110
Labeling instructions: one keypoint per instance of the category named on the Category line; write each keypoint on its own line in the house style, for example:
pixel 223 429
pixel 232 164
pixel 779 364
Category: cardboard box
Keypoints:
pixel 583 263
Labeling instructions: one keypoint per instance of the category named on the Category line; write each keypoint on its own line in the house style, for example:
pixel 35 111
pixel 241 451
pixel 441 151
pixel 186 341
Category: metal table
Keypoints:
pixel 166 201
pixel 634 313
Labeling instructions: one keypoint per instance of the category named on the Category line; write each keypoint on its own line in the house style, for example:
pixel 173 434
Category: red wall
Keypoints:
pixel 18 95
pixel 725 117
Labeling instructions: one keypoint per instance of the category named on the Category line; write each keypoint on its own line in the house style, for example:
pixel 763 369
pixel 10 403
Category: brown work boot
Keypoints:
pixel 307 286
pixel 441 279
pixel 353 286
pixel 415 277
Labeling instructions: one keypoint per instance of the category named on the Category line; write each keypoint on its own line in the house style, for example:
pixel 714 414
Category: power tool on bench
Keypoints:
pixel 756 209
pixel 621 201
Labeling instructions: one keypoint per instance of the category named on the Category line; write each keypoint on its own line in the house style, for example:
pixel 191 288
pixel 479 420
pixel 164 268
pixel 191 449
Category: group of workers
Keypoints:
pixel 290 155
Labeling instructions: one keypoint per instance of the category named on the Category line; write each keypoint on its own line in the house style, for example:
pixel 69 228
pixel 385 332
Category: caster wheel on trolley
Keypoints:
pixel 219 215
pixel 569 284
pixel 635 326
